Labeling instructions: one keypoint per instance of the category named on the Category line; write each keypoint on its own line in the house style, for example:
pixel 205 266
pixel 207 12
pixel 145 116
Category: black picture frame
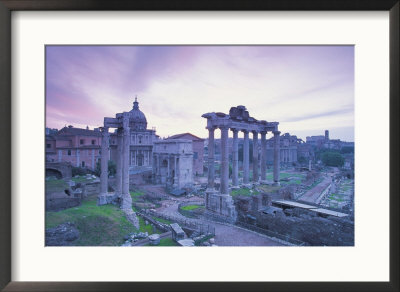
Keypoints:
pixel 7 6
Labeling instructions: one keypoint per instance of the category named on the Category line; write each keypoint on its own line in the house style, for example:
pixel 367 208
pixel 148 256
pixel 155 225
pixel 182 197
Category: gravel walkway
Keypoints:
pixel 313 194
pixel 225 234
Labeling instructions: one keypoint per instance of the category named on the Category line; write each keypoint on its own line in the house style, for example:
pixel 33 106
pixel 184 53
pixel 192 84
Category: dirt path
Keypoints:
pixel 225 234
pixel 313 194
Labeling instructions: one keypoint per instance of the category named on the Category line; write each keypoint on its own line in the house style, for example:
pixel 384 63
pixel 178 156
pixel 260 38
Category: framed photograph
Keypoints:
pixel 262 134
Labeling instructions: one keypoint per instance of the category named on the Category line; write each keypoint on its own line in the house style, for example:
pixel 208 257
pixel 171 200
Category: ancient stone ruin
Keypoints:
pixel 219 205
pixel 173 163
pixel 121 122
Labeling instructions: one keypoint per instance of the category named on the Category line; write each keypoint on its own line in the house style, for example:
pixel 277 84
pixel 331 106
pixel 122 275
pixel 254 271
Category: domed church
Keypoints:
pixel 141 140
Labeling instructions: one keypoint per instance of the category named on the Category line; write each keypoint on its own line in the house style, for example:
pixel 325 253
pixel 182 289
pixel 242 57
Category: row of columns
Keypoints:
pixel 288 155
pixel 235 157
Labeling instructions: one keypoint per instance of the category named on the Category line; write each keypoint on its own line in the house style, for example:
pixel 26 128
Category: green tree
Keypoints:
pixel 302 160
pixel 332 158
pixel 347 149
pixel 112 168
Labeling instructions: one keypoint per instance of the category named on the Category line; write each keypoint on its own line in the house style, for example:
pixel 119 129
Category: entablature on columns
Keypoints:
pixel 220 120
pixel 112 123
pixel 121 120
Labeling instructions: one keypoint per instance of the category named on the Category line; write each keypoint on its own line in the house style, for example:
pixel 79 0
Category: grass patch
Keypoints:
pixel 136 195
pixel 191 207
pixel 336 197
pixel 55 185
pixel 147 228
pixel 284 175
pixel 244 192
pixel 296 181
pixel 167 242
pixel 162 220
pixel 204 239
pixel 81 179
pixel 59 185
pixel 98 225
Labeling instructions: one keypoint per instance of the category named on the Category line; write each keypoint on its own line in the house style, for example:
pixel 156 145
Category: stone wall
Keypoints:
pixel 75 157
pixel 64 168
pixel 57 201
pixel 92 188
pixel 296 223
pixel 142 178
pixel 314 230
pixel 71 196
pixel 198 147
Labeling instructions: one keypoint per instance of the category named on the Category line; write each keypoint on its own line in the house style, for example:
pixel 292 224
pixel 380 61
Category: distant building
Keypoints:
pixel 50 131
pixel 80 147
pixel 317 141
pixel 305 152
pixel 141 140
pixel 289 146
pixel 327 143
pixel 198 150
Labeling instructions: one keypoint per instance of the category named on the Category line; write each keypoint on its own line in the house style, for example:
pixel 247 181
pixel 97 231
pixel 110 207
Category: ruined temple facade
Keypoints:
pixel 141 140
pixel 220 204
pixel 289 147
pixel 173 163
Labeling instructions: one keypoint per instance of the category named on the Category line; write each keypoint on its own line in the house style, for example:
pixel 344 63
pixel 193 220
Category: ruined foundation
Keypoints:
pixel 220 207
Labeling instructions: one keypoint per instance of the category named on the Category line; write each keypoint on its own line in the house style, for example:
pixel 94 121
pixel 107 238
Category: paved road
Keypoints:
pixel 225 234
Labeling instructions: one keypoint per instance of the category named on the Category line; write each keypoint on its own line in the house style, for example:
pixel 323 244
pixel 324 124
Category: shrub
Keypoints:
pixel 332 158
pixel 112 168
pixel 78 171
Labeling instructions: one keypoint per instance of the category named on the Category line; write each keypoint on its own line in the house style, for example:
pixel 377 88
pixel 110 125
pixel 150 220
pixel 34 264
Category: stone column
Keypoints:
pixel 175 172
pixel 159 168
pixel 246 157
pixel 235 158
pixel 104 162
pixel 211 152
pixel 255 156
pixel 135 164
pixel 224 161
pixel 77 158
pixel 126 197
pixel 168 170
pixel 119 163
pixel 93 164
pixel 263 156
pixel 168 165
pixel 155 168
pixel 276 156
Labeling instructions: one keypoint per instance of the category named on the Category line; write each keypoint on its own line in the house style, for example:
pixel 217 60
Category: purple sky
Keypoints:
pixel 306 88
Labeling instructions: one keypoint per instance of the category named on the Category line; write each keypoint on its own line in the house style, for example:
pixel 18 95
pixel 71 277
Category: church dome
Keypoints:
pixel 137 119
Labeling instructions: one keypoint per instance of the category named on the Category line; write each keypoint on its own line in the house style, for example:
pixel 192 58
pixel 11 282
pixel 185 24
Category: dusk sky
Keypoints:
pixel 307 89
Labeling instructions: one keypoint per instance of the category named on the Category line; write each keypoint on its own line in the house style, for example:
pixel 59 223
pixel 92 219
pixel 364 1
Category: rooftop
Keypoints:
pixel 178 136
pixel 70 130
